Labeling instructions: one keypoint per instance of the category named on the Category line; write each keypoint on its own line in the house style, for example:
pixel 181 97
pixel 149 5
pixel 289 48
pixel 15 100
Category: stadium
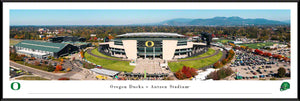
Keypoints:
pixel 166 46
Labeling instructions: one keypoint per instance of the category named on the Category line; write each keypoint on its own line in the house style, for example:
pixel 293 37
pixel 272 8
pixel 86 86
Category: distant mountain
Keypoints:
pixel 219 21
pixel 287 21
pixel 179 21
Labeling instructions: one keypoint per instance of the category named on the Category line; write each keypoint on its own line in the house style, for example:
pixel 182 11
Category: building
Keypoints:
pixel 236 42
pixel 276 46
pixel 93 35
pixel 166 46
pixel 42 29
pixel 80 45
pixel 40 49
pixel 60 39
pixel 41 36
pixel 215 38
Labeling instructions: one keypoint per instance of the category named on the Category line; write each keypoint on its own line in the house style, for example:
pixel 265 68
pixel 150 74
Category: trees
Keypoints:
pixel 64 78
pixel 13 56
pixel 37 63
pixel 180 75
pixel 236 47
pixel 50 68
pixel 58 68
pixel 88 65
pixel 281 72
pixel 186 72
pixel 257 51
pixel 279 57
pixel 16 36
pixel 224 61
pixel 213 75
pixel 274 55
pixel 218 64
pixel 220 74
pixel 213 35
pixel 81 54
pixel 268 54
pixel 250 50
pixel 243 47
pixel 286 59
pixel 228 71
pixel 262 32
pixel 68 69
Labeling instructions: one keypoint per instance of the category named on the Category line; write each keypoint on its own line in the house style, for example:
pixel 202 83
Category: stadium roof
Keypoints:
pixel 40 45
pixel 151 34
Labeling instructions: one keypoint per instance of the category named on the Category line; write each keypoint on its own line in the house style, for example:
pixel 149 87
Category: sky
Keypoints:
pixel 125 17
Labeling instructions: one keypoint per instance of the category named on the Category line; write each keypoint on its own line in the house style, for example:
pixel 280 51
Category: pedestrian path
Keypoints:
pixel 148 65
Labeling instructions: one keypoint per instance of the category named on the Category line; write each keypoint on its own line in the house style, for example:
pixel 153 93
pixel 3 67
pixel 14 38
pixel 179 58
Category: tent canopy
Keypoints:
pixel 105 71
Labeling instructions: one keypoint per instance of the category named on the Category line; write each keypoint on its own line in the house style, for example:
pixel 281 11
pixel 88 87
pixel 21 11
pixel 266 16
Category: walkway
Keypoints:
pixel 148 65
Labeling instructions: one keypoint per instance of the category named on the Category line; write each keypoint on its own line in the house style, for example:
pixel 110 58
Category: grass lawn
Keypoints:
pixel 209 52
pixel 110 64
pixel 96 52
pixel 224 40
pixel 31 78
pixel 175 66
pixel 258 45
pixel 13 42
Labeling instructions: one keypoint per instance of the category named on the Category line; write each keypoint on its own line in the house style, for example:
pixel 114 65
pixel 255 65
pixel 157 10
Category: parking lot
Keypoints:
pixel 251 66
pixel 66 64
pixel 283 51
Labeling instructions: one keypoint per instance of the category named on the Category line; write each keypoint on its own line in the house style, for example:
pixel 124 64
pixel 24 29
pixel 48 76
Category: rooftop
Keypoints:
pixel 105 71
pixel 151 34
pixel 31 52
pixel 40 45
pixel 74 43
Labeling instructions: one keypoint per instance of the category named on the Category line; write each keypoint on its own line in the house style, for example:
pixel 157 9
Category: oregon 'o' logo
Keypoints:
pixel 15 88
pixel 149 43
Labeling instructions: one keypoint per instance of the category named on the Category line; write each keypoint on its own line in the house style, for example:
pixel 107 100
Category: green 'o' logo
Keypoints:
pixel 12 86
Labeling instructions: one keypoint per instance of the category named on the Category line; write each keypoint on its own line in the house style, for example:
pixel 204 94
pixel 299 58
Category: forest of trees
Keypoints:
pixel 281 33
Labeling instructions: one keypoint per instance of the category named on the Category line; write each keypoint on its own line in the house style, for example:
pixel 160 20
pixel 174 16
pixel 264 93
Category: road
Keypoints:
pixel 40 73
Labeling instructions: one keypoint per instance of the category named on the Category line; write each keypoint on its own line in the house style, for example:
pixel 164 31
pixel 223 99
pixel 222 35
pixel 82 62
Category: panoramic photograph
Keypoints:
pixel 104 44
